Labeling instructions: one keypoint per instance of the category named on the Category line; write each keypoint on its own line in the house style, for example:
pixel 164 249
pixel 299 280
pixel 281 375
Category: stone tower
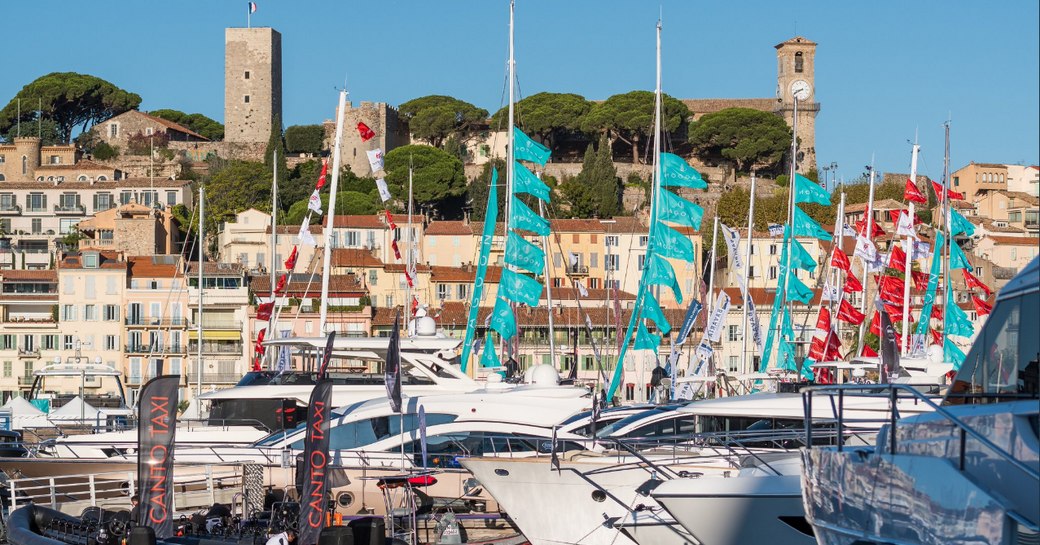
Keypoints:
pixel 795 64
pixel 252 83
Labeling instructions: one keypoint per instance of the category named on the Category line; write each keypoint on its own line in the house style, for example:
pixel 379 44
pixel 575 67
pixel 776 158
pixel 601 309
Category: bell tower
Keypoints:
pixel 795 77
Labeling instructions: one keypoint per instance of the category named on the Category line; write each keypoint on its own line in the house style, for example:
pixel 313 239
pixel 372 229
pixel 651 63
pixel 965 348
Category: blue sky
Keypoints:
pixel 883 69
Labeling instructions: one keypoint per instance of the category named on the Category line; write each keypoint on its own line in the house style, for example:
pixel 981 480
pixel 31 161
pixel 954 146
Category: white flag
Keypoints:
pixel 581 289
pixel 704 352
pixel 305 236
pixel 732 237
pixel 848 230
pixel 756 325
pixel 718 316
pixel 830 292
pixel 384 191
pixel 743 286
pixel 375 159
pixel 284 355
pixel 776 230
pixel 314 203
pixel 921 250
pixel 865 249
pixel 906 225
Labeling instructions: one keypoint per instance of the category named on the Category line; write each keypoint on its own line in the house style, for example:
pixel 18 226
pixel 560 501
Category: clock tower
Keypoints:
pixel 795 70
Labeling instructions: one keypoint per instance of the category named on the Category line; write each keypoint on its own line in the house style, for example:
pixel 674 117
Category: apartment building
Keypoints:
pixel 30 336
pixel 225 341
pixel 156 318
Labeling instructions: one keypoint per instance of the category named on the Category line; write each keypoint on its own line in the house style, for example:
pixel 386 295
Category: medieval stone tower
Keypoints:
pixel 252 83
pixel 795 70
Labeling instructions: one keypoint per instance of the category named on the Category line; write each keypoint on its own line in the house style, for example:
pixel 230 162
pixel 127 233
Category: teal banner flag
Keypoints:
pixel 670 243
pixel 528 149
pixel 959 224
pixel 645 340
pixel 523 254
pixel 522 218
pixel 482 262
pixel 797 290
pixel 929 295
pixel 800 258
pixel 519 288
pixel 957 258
pixel 805 226
pixel 956 320
pixel 806 190
pixel 659 272
pixel 774 315
pixel 953 354
pixel 652 311
pixel 676 172
pixel 679 210
pixel 502 319
pixel 785 351
pixel 489 358
pixel 527 182
pixel 619 367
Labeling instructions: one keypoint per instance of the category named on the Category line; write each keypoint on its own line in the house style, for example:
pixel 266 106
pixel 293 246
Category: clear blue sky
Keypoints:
pixel 883 69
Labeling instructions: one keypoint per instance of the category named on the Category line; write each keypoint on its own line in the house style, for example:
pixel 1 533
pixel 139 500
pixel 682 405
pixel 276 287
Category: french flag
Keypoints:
pixel 252 7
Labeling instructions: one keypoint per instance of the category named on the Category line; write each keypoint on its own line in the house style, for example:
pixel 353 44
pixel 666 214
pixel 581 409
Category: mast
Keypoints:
pixel 408 260
pixel 711 266
pixel 909 247
pixel 274 251
pixel 201 243
pixel 548 294
pixel 656 186
pixel 747 269
pixel 326 265
pixel 948 285
pixel 868 226
pixel 839 231
pixel 790 209
pixel 511 159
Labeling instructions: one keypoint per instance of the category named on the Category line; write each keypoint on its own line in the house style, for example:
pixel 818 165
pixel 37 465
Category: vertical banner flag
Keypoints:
pixel 326 356
pixel 889 347
pixel 384 191
pixel 732 237
pixel 314 494
pixel 305 236
pixel 756 325
pixel 157 429
pixel 718 317
pixel 314 202
pixel 490 219
pixel 284 355
pixel 375 159
pixel 422 434
pixel 393 366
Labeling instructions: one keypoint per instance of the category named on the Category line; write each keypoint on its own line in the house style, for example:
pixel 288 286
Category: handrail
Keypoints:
pixel 892 391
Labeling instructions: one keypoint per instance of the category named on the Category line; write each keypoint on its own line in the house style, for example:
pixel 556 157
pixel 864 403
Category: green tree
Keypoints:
pixel 596 190
pixel 44 127
pixel 238 186
pixel 276 142
pixel 477 191
pixel 197 122
pixel 304 176
pixel 749 139
pixel 439 182
pixel 347 202
pixel 305 138
pixel 103 151
pixel 550 116
pixel 436 117
pixel 630 117
pixel 69 100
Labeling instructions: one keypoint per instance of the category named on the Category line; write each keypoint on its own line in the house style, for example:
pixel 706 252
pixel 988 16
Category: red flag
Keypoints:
pixel 897 259
pixel 818 347
pixel 256 363
pixel 937 312
pixel 896 312
pixel 365 132
pixel 981 307
pixel 282 280
pixel 848 313
pixel 938 189
pixel 875 324
pixel 852 285
pixel 876 230
pixel 973 282
pixel 408 278
pixel 263 311
pixel 259 348
pixel 397 251
pixel 868 352
pixel 415 305
pixel 841 260
pixel 912 194
pixel 936 337
pixel 891 288
pixel 290 263
pixel 324 173
pixel 920 279
pixel 833 346
pixel 390 222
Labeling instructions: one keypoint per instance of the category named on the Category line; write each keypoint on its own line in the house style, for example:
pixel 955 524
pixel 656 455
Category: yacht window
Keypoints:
pixel 628 421
pixel 357 434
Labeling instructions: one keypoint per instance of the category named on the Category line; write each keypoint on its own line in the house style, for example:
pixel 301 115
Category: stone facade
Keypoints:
pixel 252 83
pixel 26 159
pixel 383 119
pixel 796 61
pixel 118 130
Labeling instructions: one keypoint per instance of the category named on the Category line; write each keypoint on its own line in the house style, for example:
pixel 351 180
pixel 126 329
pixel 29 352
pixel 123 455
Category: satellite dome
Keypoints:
pixel 542 374
pixel 935 353
pixel 425 326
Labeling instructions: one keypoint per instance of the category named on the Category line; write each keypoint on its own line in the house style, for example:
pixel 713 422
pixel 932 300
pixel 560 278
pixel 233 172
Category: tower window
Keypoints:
pixel 247 99
pixel 798 62
pixel 247 74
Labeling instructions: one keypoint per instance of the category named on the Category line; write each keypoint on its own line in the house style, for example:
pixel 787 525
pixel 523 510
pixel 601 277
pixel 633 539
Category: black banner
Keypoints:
pixel 314 497
pixel 157 426
pixel 326 356
pixel 889 348
pixel 393 366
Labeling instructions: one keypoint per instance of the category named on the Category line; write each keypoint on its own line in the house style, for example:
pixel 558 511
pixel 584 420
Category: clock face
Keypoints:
pixel 801 90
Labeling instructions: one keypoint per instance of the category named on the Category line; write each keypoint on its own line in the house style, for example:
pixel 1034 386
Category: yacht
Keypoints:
pixel 968 472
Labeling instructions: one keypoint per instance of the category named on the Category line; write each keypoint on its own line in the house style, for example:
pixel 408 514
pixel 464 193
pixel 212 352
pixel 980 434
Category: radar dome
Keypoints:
pixel 425 326
pixel 935 353
pixel 543 374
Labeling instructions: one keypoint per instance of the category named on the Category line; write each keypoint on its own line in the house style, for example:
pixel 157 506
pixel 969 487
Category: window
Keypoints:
pixel 611 262
pixel 68 342
pixel 772 272
pixel 66 225
pixel 7 369
pixel 611 240
pixel 25 165
pixel 37 226
pixel 733 362
pixel 642 261
pixel 171 198
pixel 135 371
pixel 443 291
pixel 351 239
pixel 246 75
pixel 148 131
pixel 125 197
pixel 29 343
pixel 36 202
pixel 799 63
pixel 731 333
pixel 103 201
pixel 593 260
pixel 246 99
pixel 8 342
pixel 1 159
pixel 50 342
pixel 751 270
pixel 113 130
pixel 643 240
pixel 90 313
pixel 68 313
pixel 90 260
pixel 373 277
pixel 462 290
pixel 772 249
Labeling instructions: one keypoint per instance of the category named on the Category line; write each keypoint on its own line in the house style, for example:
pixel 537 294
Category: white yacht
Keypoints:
pixel 968 472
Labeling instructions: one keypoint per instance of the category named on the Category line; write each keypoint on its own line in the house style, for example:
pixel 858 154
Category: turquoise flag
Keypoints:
pixel 957 258
pixel 670 243
pixel 645 340
pixel 652 311
pixel 679 210
pixel 800 258
pixel 959 224
pixel 489 358
pixel 482 262
pixel 785 351
pixel 806 190
pixel 524 219
pixel 528 149
pixel 929 295
pixel 953 354
pixel 804 226
pixel 774 314
pixel 956 320
pixel 798 291
pixel 619 367
pixel 526 182
pixel 676 172
pixel 519 288
pixel 523 254
pixel 502 319
pixel 660 273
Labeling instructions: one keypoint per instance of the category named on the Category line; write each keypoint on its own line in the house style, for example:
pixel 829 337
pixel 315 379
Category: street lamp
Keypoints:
pixel 830 169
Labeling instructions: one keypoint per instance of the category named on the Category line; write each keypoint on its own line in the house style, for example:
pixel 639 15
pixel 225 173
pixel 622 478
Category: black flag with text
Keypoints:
pixel 314 495
pixel 157 417
pixel 393 366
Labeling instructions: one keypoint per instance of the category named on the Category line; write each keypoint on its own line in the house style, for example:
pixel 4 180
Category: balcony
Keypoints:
pixel 70 210
pixel 577 270
pixel 235 297
pixel 13 323
pixel 156 322
pixel 220 325
pixel 213 378
pixel 28 353
pixel 137 349
pixel 25 382
pixel 10 209
pixel 216 348
pixel 159 349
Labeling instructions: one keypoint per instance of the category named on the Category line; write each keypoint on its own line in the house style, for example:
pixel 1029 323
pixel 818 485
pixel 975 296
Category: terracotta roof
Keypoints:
pixel 85 164
pixel 399 267
pixel 147 267
pixel 440 228
pixel 764 297
pixel 796 40
pixel 463 274
pixel 1022 195
pixel 992 226
pixel 1014 241
pixel 108 260
pixel 171 125
pixel 368 221
pixel 14 275
pixel 215 268
pixel 111 185
pixel 354 257
pixel 305 285
pixel 526 317
pixel 628 224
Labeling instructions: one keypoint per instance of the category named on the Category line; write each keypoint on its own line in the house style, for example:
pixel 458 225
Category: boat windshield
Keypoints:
pixel 625 422
pixel 1002 363
pixel 360 433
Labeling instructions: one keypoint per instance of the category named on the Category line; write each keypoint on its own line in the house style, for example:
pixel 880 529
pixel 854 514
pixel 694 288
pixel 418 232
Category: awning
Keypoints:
pixel 193 334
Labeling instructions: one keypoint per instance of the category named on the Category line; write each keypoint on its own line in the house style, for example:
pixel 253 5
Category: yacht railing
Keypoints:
pixel 894 393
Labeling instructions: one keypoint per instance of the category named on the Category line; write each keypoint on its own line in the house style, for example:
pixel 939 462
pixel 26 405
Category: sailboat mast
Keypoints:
pixel 868 226
pixel 909 248
pixel 711 267
pixel 790 207
pixel 549 297
pixel 949 236
pixel 411 253
pixel 202 243
pixel 511 156
pixel 655 186
pixel 274 252
pixel 326 265
pixel 747 270
pixel 836 284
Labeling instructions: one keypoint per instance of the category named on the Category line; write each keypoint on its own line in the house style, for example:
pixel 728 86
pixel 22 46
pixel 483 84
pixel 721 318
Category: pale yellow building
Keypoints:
pixel 976 177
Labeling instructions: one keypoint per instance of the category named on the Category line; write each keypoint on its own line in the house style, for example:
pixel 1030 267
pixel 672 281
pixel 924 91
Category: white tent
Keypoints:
pixel 19 406
pixel 76 410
